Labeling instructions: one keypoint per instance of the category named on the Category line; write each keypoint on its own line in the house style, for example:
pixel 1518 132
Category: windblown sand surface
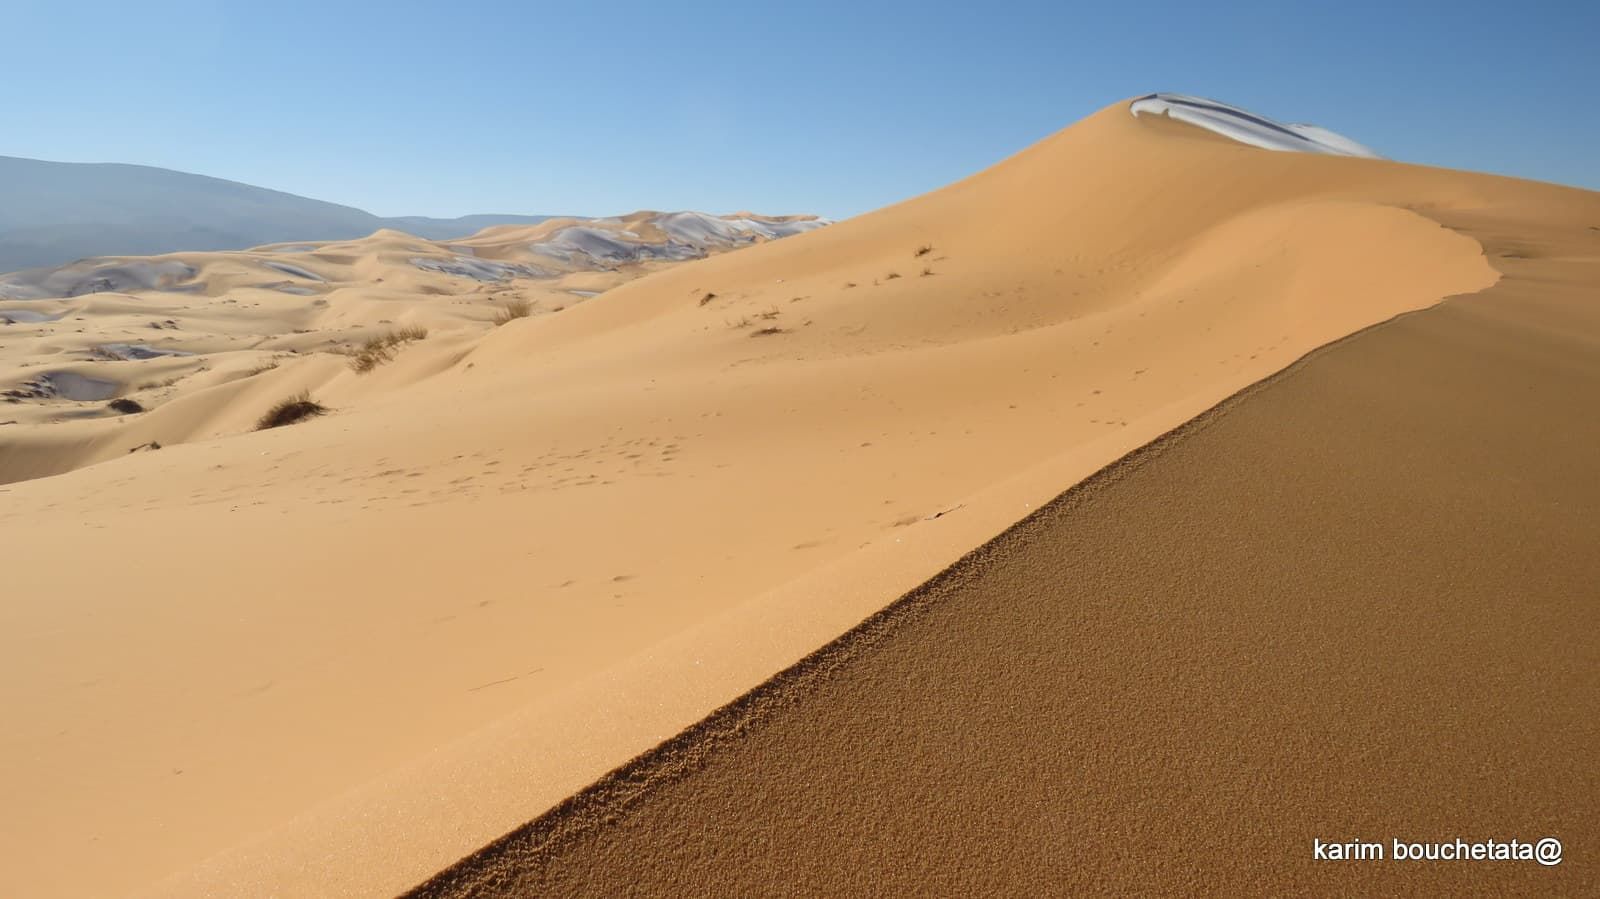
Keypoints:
pixel 1355 603
pixel 336 657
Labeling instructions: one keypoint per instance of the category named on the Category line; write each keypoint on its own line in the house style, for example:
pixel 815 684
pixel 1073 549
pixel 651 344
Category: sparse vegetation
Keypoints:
pixel 849 284
pixel 769 315
pixel 378 350
pixel 269 366
pixel 296 408
pixel 741 324
pixel 125 406
pixel 767 331
pixel 891 276
pixel 514 309
pixel 707 298
pixel 922 251
pixel 927 270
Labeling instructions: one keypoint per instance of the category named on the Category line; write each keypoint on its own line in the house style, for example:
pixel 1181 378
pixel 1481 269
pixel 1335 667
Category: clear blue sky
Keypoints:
pixel 835 108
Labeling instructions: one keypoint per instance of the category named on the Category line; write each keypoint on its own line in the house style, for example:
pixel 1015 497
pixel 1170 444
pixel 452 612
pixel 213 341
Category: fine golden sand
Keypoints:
pixel 1354 603
pixel 334 658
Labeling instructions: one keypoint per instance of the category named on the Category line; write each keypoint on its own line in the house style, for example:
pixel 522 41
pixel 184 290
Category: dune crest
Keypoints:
pixel 559 541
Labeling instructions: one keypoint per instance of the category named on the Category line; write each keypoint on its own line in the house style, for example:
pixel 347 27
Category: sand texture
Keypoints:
pixel 1356 602
pixel 336 657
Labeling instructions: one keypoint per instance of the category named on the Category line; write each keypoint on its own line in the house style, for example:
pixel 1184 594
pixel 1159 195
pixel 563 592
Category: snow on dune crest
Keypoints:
pixel 98 276
pixel 699 229
pixel 1247 127
pixel 487 270
pixel 684 235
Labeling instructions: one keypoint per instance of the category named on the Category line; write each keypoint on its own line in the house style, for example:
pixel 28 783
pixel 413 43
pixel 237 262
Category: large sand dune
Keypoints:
pixel 1357 603
pixel 335 657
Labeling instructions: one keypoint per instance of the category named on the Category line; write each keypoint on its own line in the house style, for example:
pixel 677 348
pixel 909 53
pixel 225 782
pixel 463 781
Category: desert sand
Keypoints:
pixel 334 658
pixel 1354 602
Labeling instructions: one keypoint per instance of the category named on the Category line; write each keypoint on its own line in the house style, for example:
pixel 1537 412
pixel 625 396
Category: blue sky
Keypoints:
pixel 835 108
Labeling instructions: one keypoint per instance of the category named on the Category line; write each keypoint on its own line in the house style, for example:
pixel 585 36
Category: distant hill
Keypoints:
pixel 57 212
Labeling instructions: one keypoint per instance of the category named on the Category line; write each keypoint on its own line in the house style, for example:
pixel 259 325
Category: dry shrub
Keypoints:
pixel 514 309
pixel 296 408
pixel 378 350
pixel 125 406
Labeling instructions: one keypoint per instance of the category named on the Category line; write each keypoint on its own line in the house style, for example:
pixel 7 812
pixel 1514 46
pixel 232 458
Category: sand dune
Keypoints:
pixel 335 657
pixel 1356 603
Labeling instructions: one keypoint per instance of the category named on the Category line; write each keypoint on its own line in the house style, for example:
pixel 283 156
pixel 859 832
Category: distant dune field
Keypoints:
pixel 114 354
pixel 338 656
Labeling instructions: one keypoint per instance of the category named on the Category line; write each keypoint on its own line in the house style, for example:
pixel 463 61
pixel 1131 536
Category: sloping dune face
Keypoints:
pixel 337 656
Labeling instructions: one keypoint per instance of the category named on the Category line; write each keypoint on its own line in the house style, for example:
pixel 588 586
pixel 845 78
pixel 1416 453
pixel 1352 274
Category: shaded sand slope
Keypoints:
pixel 1357 602
pixel 335 657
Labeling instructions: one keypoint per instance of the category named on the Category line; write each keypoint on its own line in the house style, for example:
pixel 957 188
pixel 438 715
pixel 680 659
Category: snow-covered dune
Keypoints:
pixel 98 276
pixel 1247 127
pixel 646 236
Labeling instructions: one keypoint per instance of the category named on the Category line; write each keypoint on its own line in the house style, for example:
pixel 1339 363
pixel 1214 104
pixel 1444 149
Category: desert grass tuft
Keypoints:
pixel 514 309
pixel 294 409
pixel 378 350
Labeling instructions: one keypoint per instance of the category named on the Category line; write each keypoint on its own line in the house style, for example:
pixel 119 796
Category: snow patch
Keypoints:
pixel 479 269
pixel 98 276
pixel 27 316
pixel 135 351
pixel 703 230
pixel 1249 128
pixel 288 287
pixel 607 247
pixel 689 235
pixel 65 384
pixel 295 271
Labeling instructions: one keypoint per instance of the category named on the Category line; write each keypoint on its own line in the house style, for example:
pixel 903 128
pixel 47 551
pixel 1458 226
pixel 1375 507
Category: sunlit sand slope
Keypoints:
pixel 1357 604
